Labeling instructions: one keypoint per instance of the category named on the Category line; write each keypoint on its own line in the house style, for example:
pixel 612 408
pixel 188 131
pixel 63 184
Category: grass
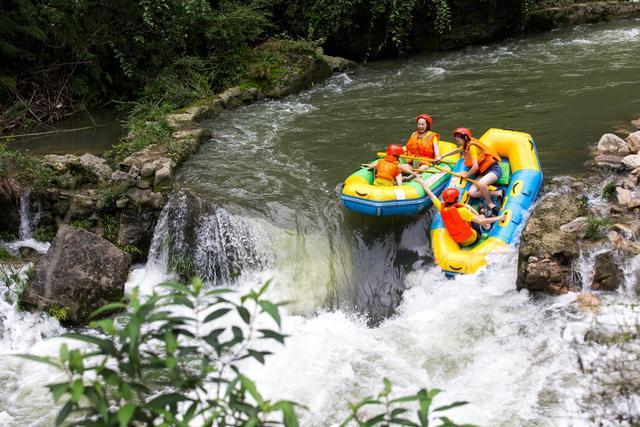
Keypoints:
pixel 44 234
pixel 59 312
pixel 596 227
pixel 609 191
pixel 108 193
pixel 108 223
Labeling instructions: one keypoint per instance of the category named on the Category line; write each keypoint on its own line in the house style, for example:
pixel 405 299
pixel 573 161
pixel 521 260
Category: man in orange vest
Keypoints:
pixel 387 170
pixel 461 221
pixel 423 142
pixel 481 160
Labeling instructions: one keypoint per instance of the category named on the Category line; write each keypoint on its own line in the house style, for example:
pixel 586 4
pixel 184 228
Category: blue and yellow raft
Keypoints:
pixel 360 195
pixel 521 179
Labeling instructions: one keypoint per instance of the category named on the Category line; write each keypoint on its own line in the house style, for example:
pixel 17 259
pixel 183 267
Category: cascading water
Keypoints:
pixel 260 204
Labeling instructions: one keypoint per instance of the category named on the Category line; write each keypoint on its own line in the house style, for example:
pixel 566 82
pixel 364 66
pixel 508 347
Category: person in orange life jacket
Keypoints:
pixel 479 159
pixel 463 223
pixel 387 170
pixel 423 142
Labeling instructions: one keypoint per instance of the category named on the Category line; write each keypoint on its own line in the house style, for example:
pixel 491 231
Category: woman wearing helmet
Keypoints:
pixel 463 223
pixel 423 142
pixel 388 170
pixel 482 161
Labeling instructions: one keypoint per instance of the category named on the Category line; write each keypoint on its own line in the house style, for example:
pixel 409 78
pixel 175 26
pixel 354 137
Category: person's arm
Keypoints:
pixel 457 150
pixel 478 219
pixel 436 149
pixel 427 190
pixel 371 165
pixel 399 179
pixel 472 209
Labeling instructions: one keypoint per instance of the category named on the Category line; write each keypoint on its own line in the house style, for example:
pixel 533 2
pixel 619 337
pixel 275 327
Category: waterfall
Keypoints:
pixel 25 231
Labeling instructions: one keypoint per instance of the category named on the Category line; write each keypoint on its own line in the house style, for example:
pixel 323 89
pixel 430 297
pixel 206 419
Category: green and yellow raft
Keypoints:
pixel 360 195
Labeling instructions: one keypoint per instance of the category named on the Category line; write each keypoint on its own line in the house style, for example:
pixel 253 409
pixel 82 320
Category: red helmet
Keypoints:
pixel 463 132
pixel 427 118
pixel 450 195
pixel 394 150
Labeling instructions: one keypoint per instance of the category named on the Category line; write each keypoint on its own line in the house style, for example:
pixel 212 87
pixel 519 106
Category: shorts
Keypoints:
pixel 383 182
pixel 496 168
pixel 478 229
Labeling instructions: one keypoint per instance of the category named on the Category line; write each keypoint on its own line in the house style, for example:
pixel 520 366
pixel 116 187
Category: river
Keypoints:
pixel 367 301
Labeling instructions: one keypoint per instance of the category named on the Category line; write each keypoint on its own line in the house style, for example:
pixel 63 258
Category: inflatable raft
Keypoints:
pixel 521 179
pixel 360 195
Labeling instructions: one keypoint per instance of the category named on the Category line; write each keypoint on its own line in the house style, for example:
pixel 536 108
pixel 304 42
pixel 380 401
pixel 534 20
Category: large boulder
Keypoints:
pixel 81 272
pixel 607 275
pixel 632 161
pixel 633 141
pixel 613 144
pixel 549 244
pixel 95 166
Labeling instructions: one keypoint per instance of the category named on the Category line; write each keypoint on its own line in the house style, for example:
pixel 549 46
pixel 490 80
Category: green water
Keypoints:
pixel 99 130
pixel 566 88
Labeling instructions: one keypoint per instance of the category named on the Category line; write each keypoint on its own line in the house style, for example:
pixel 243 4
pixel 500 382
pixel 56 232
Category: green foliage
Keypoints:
pixel 23 171
pixel 59 312
pixel 108 224
pixel 5 254
pixel 609 190
pixel 170 360
pixel 583 202
pixel 44 233
pixel 146 125
pixel 390 411
pixel 109 192
pixel 596 227
pixel 133 250
pixel 173 360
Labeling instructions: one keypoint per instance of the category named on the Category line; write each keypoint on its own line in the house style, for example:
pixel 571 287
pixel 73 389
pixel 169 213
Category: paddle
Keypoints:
pixel 459 175
pixel 423 159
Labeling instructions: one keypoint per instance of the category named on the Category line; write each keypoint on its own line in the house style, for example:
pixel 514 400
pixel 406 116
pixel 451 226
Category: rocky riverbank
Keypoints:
pixel 594 218
pixel 119 204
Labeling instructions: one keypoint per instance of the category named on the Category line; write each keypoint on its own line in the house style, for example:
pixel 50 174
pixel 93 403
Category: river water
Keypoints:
pixel 259 201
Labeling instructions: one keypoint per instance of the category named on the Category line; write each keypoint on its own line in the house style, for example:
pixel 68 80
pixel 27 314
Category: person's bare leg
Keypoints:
pixel 483 187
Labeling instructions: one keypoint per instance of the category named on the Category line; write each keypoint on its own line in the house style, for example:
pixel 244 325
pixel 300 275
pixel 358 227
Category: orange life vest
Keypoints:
pixel 422 146
pixel 387 168
pixel 459 229
pixel 485 159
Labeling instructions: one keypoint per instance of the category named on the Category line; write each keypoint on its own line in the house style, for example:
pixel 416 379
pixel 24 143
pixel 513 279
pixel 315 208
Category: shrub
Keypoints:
pixel 595 227
pixel 609 191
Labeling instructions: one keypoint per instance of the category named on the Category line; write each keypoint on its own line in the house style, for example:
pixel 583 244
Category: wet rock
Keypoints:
pixel 624 195
pixel 248 94
pixel 607 275
pixel 82 205
pixel 587 301
pixel 231 97
pixel 177 121
pixel 623 243
pixel 134 171
pixel 630 182
pixel 148 169
pixel 633 204
pixel 96 166
pixel 164 177
pixel 547 252
pixel 338 64
pixel 577 227
pixel 121 177
pixel 632 161
pixel 121 203
pixel 210 109
pixel 148 155
pixel 606 162
pixel 62 163
pixel 143 183
pixel 612 144
pixel 633 141
pixel 198 134
pixel 636 123
pixel 81 272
